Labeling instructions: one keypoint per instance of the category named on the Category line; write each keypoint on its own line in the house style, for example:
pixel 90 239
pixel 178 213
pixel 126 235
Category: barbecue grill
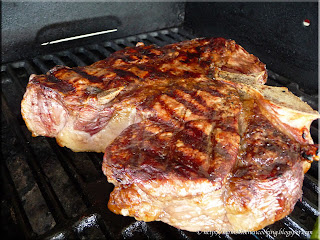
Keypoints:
pixel 50 192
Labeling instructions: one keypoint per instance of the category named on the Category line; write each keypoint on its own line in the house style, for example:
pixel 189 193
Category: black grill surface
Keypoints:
pixel 50 192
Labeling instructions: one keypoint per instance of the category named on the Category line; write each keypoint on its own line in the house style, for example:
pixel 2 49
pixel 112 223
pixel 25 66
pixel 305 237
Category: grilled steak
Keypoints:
pixel 85 108
pixel 192 136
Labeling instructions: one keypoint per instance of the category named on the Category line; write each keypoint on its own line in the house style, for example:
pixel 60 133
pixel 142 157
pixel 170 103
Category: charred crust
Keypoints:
pixel 91 78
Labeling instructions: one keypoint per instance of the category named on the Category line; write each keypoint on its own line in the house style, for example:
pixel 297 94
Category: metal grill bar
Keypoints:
pixel 20 213
pixel 25 166
pixel 71 186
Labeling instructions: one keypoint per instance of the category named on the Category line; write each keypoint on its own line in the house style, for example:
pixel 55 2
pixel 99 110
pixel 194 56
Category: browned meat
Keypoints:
pixel 226 167
pixel 191 135
pixel 85 108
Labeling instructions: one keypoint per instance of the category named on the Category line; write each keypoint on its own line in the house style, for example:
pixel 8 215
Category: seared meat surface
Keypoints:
pixel 191 135
pixel 85 108
pixel 226 168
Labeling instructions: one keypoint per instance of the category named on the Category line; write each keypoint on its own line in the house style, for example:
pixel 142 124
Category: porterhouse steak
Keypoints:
pixel 191 135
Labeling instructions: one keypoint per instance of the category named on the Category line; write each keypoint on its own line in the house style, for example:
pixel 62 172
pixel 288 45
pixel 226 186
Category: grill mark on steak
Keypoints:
pixel 138 150
pixel 174 109
pixel 189 155
pixel 58 84
pixel 164 113
pixel 188 142
pixel 122 77
pixel 192 136
pixel 125 74
pixel 184 97
pixel 91 78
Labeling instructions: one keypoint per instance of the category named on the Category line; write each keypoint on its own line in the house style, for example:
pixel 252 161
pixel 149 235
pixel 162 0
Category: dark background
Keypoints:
pixel 273 31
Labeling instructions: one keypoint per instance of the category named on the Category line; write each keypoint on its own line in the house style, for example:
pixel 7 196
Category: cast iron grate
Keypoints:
pixel 53 193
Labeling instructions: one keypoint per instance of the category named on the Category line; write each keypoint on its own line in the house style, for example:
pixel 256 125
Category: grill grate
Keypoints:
pixel 54 193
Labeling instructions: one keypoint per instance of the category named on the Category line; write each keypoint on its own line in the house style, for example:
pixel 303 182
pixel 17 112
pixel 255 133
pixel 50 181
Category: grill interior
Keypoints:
pixel 53 193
